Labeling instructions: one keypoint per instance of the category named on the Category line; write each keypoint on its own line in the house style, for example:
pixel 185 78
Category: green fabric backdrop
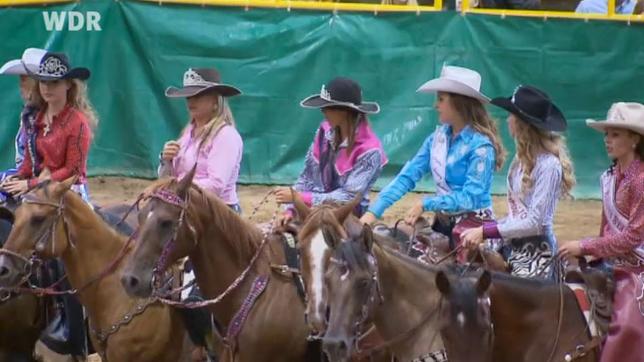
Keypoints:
pixel 278 57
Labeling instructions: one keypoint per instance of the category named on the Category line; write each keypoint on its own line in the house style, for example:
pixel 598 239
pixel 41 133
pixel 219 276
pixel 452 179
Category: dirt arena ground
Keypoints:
pixel 575 218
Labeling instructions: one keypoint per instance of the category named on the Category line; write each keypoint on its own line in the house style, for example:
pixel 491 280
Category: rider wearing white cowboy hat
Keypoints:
pixel 622 229
pixel 461 154
pixel 30 58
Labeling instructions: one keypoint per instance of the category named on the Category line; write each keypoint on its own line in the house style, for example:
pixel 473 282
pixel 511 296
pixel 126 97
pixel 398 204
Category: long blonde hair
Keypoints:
pixel 221 115
pixel 76 97
pixel 530 142
pixel 472 110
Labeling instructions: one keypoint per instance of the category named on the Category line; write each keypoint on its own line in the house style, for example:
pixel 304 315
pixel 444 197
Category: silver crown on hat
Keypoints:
pixel 324 94
pixel 53 67
pixel 194 79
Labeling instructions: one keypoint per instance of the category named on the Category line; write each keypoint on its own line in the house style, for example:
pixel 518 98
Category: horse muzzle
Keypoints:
pixel 136 286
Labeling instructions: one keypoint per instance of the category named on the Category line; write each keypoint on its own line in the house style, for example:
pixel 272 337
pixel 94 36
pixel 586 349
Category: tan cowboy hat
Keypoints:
pixel 456 80
pixel 628 115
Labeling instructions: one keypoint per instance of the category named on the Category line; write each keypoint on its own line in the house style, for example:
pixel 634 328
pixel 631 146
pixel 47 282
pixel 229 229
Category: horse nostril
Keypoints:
pixel 130 281
pixel 4 271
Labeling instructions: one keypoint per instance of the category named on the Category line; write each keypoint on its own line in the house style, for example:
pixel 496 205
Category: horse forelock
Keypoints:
pixel 322 215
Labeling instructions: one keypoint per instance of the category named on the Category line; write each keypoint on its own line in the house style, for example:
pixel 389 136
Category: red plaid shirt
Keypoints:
pixel 63 150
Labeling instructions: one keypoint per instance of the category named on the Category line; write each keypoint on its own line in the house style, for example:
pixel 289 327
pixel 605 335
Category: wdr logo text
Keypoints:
pixel 76 21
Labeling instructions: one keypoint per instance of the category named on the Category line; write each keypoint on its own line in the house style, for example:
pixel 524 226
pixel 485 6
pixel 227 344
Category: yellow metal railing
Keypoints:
pixel 312 5
pixel 546 14
pixel 466 8
pixel 6 3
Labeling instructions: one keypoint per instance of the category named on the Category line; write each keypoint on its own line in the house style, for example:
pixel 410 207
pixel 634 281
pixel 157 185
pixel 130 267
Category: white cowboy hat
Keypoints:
pixel 30 58
pixel 457 80
pixel 628 115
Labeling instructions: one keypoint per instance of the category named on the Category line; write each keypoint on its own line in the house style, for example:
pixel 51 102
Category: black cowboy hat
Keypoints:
pixel 197 80
pixel 341 92
pixel 534 107
pixel 54 66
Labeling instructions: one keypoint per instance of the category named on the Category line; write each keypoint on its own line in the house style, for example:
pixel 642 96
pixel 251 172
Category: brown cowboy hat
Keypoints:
pixel 198 80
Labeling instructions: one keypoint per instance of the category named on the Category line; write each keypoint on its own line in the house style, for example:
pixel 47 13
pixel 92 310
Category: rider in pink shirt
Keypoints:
pixel 210 140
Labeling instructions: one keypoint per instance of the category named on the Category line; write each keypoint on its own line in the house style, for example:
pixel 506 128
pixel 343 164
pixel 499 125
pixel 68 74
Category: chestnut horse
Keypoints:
pixel 258 307
pixel 55 222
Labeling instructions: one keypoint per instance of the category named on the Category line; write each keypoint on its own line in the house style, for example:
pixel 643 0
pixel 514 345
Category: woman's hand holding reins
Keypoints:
pixel 170 150
pixel 472 238
pixel 414 213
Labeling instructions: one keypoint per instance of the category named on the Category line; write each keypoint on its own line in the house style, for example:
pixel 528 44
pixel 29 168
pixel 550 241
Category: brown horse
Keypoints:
pixel 368 281
pixel 181 219
pixel 465 318
pixel 534 320
pixel 55 222
pixel 22 318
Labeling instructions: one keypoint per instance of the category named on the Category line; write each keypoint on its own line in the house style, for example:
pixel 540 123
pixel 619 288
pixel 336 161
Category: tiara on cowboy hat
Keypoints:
pixel 198 80
pixel 341 92
pixel 55 66
pixel 534 107
pixel 627 115
pixel 31 58
pixel 456 80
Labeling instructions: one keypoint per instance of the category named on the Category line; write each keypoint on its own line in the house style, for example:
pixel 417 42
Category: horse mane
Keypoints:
pixel 246 235
pixel 519 282
pixel 44 187
pixel 415 263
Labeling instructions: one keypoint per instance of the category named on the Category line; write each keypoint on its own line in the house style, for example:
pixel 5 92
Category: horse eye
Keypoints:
pixel 166 224
pixel 37 220
pixel 363 284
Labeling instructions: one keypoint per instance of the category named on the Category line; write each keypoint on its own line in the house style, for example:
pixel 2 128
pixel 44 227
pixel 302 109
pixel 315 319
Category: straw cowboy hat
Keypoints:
pixel 456 80
pixel 198 80
pixel 534 107
pixel 30 58
pixel 627 115
pixel 341 92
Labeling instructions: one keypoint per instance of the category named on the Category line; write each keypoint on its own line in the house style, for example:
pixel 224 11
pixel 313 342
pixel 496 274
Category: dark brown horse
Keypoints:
pixel 55 222
pixel 226 251
pixel 365 280
pixel 22 318
pixel 534 320
pixel 465 318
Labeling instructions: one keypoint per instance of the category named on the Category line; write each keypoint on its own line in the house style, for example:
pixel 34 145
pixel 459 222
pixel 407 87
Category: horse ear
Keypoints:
pixel 345 210
pixel 330 237
pixel 303 211
pixel 367 237
pixel 44 175
pixel 186 182
pixel 67 184
pixel 442 282
pixel 484 282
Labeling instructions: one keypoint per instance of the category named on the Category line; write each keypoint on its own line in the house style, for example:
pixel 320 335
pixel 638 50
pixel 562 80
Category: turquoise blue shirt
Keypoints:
pixel 469 171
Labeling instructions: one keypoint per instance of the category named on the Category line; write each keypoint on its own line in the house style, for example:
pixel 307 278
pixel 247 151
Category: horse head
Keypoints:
pixel 466 316
pixel 165 234
pixel 39 229
pixel 352 292
pixel 321 232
